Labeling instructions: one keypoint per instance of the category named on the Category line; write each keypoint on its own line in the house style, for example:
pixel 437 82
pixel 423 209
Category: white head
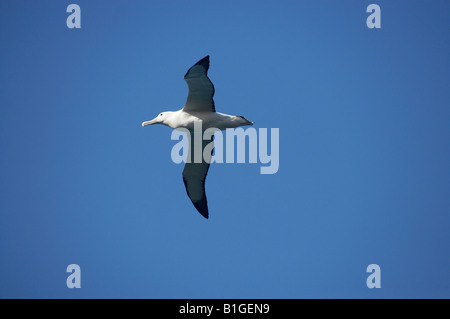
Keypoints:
pixel 160 119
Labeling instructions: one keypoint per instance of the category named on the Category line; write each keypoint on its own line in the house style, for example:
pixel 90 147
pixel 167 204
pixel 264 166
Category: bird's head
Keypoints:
pixel 160 119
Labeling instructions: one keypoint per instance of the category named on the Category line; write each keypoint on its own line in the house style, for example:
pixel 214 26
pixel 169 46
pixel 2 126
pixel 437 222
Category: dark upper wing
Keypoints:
pixel 201 89
pixel 194 174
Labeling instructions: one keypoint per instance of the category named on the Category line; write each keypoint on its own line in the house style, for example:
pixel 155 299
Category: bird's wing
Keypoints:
pixel 201 89
pixel 194 174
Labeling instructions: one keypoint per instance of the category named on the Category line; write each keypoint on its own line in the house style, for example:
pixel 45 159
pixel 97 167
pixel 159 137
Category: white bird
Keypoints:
pixel 199 106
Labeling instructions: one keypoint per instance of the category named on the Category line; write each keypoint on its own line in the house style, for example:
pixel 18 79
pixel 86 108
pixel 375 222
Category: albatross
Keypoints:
pixel 199 106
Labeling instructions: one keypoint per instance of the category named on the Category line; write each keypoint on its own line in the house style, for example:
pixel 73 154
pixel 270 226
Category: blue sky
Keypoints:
pixel 364 173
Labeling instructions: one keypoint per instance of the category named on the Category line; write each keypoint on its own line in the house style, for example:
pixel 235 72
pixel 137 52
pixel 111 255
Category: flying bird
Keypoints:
pixel 199 106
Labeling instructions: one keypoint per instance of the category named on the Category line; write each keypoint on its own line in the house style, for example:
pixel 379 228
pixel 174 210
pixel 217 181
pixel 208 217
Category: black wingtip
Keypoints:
pixel 204 62
pixel 202 208
pixel 201 205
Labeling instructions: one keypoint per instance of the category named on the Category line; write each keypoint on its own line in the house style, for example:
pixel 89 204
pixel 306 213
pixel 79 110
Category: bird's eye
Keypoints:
pixel 160 114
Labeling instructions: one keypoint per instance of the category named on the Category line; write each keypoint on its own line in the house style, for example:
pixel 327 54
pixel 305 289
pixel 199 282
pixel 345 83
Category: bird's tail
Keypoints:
pixel 245 121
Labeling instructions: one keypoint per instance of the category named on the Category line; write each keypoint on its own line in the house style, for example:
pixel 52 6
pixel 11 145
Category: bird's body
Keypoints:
pixel 199 107
pixel 185 120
